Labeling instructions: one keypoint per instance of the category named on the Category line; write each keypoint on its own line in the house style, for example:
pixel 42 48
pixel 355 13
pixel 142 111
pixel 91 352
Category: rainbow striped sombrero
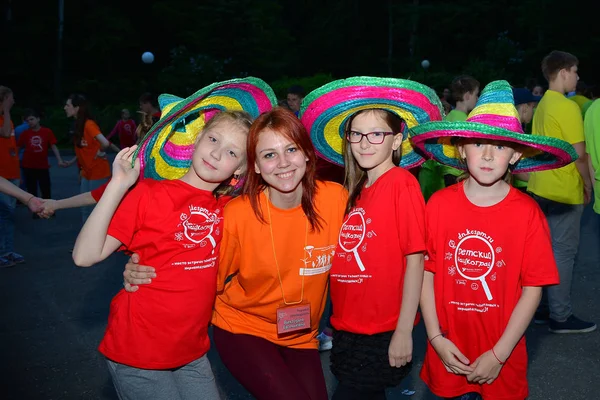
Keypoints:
pixel 493 118
pixel 324 111
pixel 166 150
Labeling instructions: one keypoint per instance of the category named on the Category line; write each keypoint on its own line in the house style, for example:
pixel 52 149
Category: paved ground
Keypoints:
pixel 53 316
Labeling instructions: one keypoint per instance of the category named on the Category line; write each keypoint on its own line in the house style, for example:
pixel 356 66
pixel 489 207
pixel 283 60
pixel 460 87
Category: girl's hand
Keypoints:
pixel 123 173
pixel 485 369
pixel 453 359
pixel 136 274
pixel 49 206
pixel 401 348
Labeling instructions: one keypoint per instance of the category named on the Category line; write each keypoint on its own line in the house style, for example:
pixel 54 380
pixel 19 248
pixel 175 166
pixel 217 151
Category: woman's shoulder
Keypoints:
pixel 325 188
pixel 238 205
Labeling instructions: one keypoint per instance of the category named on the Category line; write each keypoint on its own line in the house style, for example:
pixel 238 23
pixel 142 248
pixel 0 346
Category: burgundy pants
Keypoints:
pixel 269 371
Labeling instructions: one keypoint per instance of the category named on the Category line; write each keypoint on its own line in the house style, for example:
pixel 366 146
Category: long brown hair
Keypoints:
pixel 285 123
pixel 83 114
pixel 356 177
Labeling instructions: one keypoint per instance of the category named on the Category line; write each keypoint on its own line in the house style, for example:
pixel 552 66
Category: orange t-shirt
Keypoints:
pixel 9 155
pixel 92 167
pixel 248 303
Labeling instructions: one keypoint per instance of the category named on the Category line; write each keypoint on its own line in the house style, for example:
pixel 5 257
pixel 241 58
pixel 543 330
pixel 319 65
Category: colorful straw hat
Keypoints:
pixel 493 118
pixel 166 150
pixel 324 111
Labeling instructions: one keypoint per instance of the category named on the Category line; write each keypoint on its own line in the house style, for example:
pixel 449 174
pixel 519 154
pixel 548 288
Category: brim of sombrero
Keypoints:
pixel 541 152
pixel 164 154
pixel 324 111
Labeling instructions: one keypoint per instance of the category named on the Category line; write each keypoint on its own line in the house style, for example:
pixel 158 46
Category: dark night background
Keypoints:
pixel 309 42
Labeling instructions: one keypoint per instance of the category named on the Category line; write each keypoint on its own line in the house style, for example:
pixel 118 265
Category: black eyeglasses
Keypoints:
pixel 372 137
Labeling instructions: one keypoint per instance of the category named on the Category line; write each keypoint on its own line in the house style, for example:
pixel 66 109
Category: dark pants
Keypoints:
pixel 466 396
pixel 345 392
pixel 269 371
pixel 564 221
pixel 38 177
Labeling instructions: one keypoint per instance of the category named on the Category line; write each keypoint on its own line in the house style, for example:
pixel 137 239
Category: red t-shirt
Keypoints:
pixel 126 131
pixel 36 146
pixel 177 229
pixel 98 192
pixel 499 249
pixel 386 225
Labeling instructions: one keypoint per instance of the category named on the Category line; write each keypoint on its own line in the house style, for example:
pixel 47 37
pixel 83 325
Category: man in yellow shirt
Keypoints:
pixel 562 193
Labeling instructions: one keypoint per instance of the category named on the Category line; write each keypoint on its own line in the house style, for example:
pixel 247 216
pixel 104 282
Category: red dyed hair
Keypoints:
pixel 284 122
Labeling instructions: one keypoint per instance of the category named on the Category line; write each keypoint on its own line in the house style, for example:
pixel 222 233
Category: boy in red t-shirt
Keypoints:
pixel 36 141
pixel 489 251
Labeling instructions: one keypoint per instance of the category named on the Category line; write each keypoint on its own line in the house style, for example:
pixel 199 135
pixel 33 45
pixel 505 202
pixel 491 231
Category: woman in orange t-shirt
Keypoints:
pixel 90 145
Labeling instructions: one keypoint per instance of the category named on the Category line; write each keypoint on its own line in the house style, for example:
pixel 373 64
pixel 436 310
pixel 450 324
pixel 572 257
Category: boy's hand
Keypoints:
pixel 400 349
pixel 136 274
pixel 453 359
pixel 123 173
pixel 486 369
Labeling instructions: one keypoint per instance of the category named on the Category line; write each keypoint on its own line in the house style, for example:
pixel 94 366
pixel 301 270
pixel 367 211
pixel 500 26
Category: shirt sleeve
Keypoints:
pixel 98 192
pixel 129 216
pixel 571 123
pixel 538 267
pixel 92 128
pixel 230 251
pixel 410 217
pixel 431 217
pixel 51 138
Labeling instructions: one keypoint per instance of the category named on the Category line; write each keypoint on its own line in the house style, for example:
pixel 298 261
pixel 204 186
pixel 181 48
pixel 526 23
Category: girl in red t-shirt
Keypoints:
pixel 376 275
pixel 488 251
pixel 156 339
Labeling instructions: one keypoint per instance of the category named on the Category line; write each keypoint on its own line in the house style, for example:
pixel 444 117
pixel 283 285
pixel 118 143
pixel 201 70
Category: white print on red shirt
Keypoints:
pixel 36 144
pixel 317 260
pixel 352 235
pixel 83 143
pixel 198 227
pixel 474 260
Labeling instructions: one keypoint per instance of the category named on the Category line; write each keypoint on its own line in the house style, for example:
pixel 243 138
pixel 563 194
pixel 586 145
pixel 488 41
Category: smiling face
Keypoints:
pixel 280 162
pixel 488 160
pixel 373 157
pixel 219 153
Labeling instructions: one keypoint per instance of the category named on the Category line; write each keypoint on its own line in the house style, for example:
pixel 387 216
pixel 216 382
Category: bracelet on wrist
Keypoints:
pixel 497 359
pixel 436 336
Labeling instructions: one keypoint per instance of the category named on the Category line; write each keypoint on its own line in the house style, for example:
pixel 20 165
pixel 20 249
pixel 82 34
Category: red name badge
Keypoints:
pixel 291 319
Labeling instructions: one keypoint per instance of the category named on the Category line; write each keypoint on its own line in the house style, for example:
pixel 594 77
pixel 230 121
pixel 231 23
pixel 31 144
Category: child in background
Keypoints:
pixel 36 141
pixel 488 251
pixel 465 91
pixel 376 275
pixel 125 128
pixel 525 102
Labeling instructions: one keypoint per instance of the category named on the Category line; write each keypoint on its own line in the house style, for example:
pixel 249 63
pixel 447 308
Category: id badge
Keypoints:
pixel 292 319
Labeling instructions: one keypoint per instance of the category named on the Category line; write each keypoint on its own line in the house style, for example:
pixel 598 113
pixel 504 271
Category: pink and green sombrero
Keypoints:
pixel 493 118
pixel 325 110
pixel 166 150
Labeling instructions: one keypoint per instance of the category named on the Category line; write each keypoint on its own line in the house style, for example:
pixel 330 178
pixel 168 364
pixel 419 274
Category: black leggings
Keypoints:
pixel 35 177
